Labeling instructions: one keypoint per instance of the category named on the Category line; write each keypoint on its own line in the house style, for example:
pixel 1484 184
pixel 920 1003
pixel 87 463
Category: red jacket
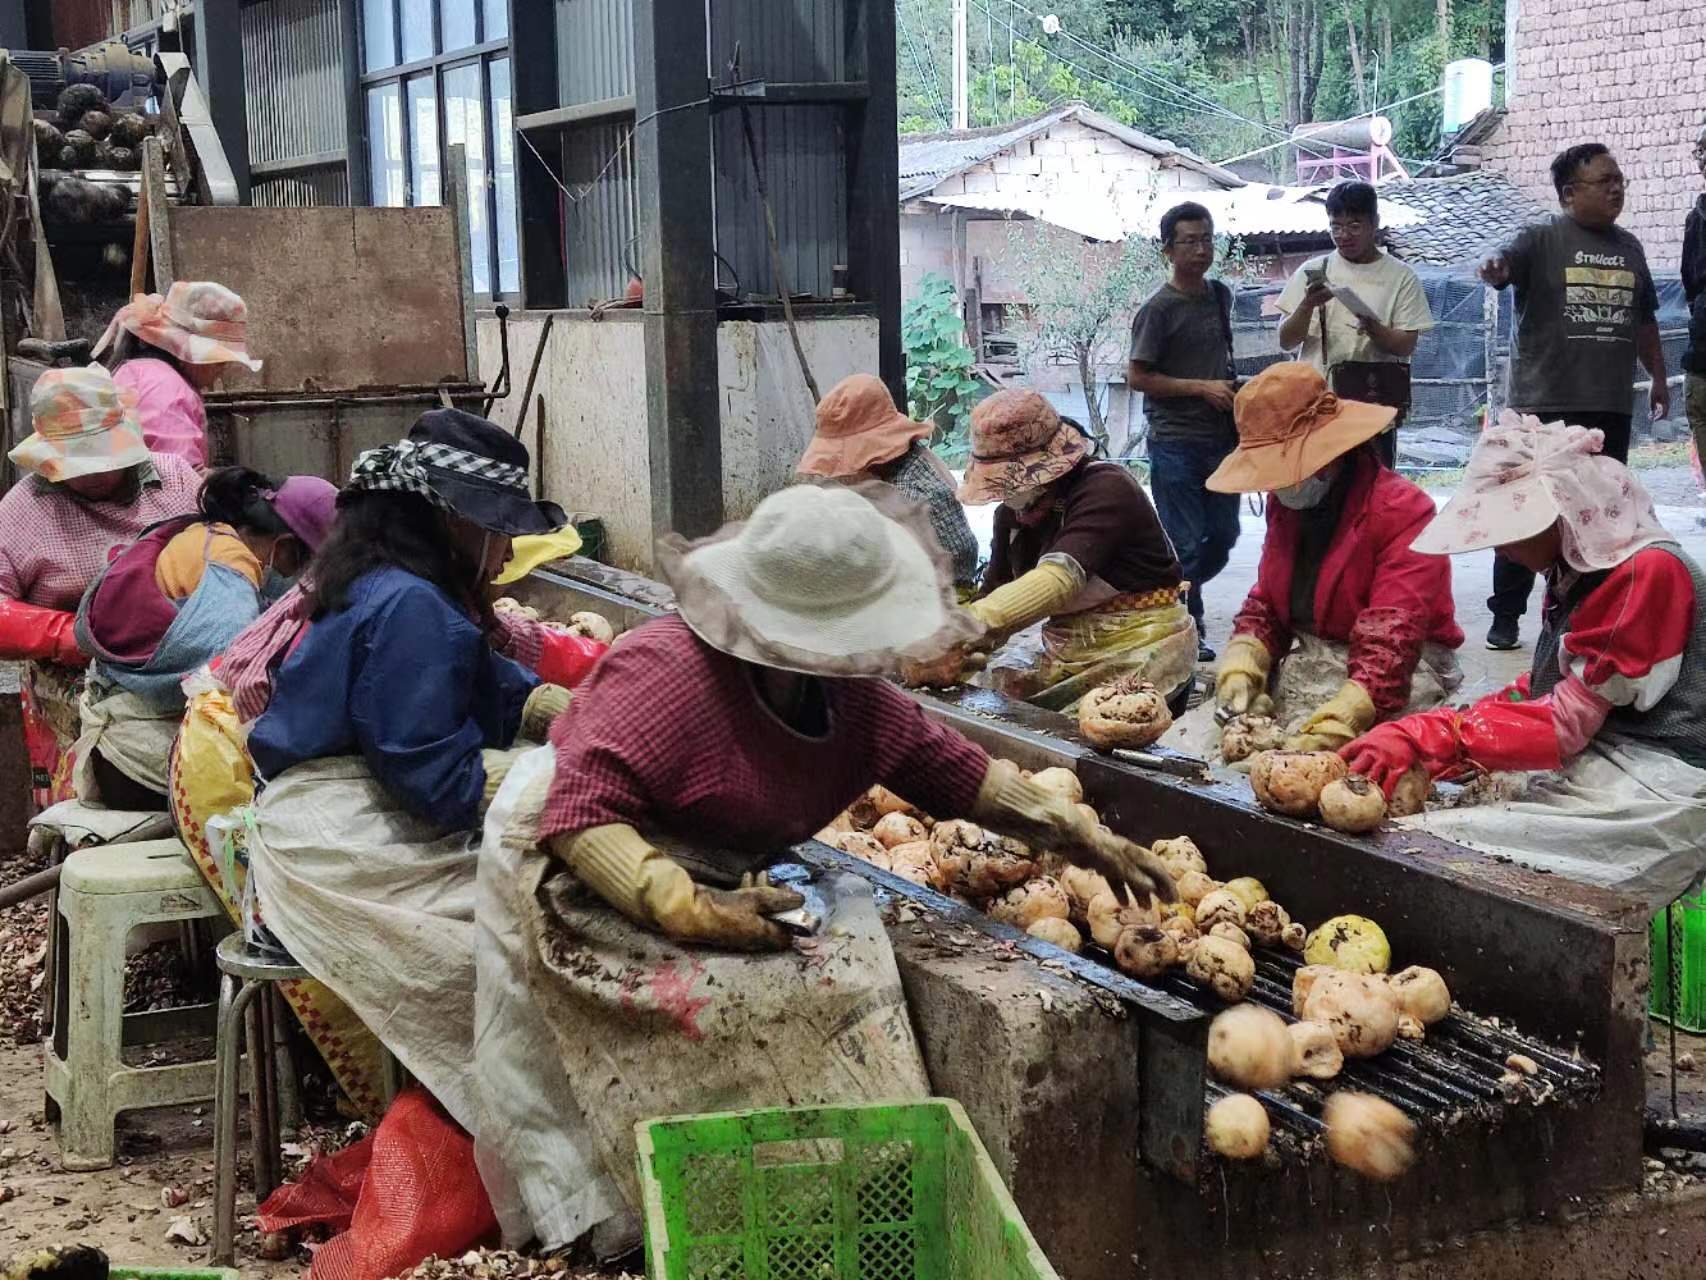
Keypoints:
pixel 1373 593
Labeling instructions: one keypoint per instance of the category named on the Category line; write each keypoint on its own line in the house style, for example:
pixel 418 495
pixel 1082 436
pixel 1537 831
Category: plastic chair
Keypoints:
pixel 247 971
pixel 105 892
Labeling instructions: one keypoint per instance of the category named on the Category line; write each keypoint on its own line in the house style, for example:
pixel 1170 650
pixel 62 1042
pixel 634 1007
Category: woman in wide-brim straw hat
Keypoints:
pixel 1078 547
pixel 1611 720
pixel 169 349
pixel 88 484
pixel 1345 624
pixel 699 749
pixel 861 435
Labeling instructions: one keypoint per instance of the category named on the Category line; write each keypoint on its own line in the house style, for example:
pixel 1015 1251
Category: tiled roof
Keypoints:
pixel 1461 217
pixel 927 158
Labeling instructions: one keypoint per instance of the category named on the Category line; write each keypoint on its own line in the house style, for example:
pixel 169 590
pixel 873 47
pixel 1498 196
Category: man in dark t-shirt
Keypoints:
pixel 1586 308
pixel 1181 360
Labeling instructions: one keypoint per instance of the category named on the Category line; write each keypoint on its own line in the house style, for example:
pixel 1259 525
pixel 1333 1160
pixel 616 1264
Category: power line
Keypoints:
pixel 1171 104
pixel 1153 78
pixel 932 95
pixel 1361 115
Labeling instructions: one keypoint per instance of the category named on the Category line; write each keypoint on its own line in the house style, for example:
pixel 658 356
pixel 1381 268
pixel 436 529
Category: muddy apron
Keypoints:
pixel 1099 637
pixel 647 1027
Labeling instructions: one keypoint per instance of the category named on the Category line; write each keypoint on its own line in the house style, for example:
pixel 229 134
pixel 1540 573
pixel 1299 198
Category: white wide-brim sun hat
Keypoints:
pixel 823 579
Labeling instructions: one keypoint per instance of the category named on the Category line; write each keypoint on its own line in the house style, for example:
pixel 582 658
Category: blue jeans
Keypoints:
pixel 1202 525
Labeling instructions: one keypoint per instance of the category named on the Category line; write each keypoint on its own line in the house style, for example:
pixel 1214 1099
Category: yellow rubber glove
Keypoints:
pixel 1344 717
pixel 1031 596
pixel 1242 677
pixel 618 864
pixel 1014 805
pixel 543 705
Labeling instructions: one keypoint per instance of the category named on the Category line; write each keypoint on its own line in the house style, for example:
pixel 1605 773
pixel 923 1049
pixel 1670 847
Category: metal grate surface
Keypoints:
pixel 1451 1078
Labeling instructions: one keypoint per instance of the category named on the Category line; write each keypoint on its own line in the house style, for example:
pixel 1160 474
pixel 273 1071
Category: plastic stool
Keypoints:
pixel 104 892
pixel 245 972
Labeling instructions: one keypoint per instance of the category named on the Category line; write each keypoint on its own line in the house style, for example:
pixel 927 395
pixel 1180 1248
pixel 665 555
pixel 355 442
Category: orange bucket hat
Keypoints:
pixel 857 428
pixel 1289 427
pixel 1018 442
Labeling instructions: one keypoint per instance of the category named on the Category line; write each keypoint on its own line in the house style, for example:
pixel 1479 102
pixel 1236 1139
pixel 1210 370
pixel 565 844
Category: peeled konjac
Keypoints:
pixel 1249 1047
pixel 1032 901
pixel 1290 782
pixel 1127 713
pixel 1369 1135
pixel 1223 967
pixel 1360 1008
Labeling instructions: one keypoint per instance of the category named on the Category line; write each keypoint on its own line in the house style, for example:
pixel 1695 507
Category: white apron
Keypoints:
pixel 1621 814
pixel 378 904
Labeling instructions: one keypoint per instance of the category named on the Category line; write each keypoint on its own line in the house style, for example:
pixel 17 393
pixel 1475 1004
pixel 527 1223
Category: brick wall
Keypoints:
pixel 1628 73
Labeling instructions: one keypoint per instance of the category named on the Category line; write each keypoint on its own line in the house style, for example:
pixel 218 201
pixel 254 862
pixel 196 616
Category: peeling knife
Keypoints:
pixel 1176 765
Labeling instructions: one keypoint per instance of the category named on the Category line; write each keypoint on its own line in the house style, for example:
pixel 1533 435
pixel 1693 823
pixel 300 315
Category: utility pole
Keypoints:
pixel 960 98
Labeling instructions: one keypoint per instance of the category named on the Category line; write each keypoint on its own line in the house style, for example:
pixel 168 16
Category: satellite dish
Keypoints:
pixel 1051 25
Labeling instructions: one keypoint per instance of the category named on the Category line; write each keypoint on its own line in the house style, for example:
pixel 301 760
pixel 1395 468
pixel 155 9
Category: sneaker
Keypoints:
pixel 1204 653
pixel 1503 634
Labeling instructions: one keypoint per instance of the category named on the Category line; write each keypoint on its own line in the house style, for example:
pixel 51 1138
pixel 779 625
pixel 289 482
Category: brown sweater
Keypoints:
pixel 1103 520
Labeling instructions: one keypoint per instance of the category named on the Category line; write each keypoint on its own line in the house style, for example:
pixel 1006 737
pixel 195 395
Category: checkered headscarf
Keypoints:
pixel 406 467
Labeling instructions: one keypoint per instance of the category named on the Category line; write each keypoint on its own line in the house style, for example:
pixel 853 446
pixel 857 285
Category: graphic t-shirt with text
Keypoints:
pixel 1580 297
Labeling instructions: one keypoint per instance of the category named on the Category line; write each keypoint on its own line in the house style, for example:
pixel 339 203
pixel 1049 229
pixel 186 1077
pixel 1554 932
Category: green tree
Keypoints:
pixel 1081 297
pixel 940 386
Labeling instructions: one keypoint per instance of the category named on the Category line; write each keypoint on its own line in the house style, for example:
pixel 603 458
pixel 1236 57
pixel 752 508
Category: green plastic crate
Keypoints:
pixel 1687 916
pixel 879 1192
pixel 172 1273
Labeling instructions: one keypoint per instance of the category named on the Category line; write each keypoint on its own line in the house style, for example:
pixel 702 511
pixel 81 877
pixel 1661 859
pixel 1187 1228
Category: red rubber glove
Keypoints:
pixel 1496 734
pixel 30 631
pixel 565 659
pixel 1428 738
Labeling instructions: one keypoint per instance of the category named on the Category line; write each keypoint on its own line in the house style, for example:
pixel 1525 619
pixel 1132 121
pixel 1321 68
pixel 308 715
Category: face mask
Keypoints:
pixel 1023 500
pixel 1308 493
pixel 273 586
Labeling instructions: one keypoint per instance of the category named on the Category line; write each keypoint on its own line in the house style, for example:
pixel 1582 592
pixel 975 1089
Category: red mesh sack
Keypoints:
pixel 325 1195
pixel 421 1195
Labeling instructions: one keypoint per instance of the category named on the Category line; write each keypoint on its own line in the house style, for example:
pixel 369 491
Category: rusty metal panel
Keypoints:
pixel 82 22
pixel 294 79
pixel 338 298
pixel 595 50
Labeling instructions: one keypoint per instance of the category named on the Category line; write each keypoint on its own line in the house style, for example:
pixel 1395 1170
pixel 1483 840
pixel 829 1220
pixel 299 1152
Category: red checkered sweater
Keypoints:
pixel 669 733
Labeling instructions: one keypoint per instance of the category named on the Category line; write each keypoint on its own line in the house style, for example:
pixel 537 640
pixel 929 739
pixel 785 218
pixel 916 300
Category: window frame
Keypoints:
pixel 480 54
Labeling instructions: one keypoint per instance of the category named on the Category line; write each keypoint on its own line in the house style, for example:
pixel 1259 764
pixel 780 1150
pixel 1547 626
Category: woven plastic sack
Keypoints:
pixel 325 1194
pixel 420 1195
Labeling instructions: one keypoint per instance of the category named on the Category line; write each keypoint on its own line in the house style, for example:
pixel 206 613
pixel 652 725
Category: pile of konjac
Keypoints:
pixel 1207 933
pixel 1344 1003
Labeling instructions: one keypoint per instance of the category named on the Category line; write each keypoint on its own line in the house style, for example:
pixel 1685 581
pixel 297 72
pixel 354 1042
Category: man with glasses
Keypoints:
pixel 1586 309
pixel 1694 289
pixel 1181 360
pixel 1352 351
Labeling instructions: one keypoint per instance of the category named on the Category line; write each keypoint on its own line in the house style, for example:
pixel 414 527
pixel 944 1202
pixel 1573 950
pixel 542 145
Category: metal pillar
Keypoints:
pixel 873 184
pixel 355 106
pixel 672 146
pixel 219 69
pixel 533 80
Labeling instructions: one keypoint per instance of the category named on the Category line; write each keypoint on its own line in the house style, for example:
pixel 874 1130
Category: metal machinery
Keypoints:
pixel 1553 970
pixel 363 317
